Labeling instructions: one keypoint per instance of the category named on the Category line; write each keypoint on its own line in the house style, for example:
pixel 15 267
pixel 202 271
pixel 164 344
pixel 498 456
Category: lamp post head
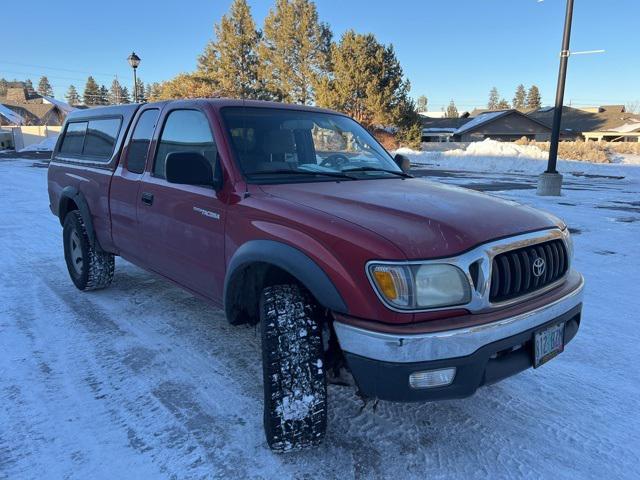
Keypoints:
pixel 134 60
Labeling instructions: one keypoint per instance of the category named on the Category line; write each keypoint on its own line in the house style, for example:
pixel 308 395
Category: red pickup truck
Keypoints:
pixel 296 218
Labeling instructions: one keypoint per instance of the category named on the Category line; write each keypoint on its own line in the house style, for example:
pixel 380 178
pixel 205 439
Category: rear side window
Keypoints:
pixel 185 131
pixel 140 140
pixel 95 138
pixel 100 138
pixel 74 138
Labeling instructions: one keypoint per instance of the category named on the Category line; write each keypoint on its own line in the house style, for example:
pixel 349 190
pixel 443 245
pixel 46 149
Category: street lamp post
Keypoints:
pixel 550 182
pixel 134 61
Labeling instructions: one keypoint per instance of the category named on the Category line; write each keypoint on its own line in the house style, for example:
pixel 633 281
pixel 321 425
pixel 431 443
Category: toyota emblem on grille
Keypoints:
pixel 538 266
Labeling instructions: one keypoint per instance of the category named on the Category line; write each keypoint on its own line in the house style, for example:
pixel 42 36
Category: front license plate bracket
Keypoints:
pixel 548 342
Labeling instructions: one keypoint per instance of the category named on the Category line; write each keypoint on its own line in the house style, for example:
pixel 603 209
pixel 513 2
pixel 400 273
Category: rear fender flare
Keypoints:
pixel 73 194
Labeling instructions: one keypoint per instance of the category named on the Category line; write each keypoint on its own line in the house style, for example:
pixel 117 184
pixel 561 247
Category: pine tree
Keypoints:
pixel 503 104
pixel 422 104
pixel 452 110
pixel 154 92
pixel 104 95
pixel 367 81
pixel 140 91
pixel 231 61
pixel 520 98
pixel 72 96
pixel 494 99
pixel 91 95
pixel 185 85
pixel 125 97
pixel 29 86
pixel 534 100
pixel 294 51
pixel 147 92
pixel 3 86
pixel 44 87
pixel 115 93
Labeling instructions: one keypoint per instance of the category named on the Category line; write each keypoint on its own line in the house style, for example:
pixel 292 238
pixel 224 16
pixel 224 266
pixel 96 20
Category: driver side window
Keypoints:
pixel 185 131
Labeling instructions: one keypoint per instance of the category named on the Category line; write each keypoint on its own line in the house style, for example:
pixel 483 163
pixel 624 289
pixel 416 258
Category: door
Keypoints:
pixel 182 226
pixel 125 186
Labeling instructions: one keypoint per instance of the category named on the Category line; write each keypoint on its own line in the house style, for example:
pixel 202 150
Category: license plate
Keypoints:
pixel 548 343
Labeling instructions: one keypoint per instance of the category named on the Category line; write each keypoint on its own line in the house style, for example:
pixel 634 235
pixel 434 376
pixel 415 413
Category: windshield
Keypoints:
pixel 276 145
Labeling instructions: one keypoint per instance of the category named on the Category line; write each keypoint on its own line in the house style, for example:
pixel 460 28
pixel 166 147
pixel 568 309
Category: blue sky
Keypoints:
pixel 448 49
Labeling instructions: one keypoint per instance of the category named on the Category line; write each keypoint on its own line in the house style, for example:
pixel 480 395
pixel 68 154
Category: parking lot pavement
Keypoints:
pixel 142 380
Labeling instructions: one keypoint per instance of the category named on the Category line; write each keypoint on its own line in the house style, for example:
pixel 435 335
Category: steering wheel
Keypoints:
pixel 335 160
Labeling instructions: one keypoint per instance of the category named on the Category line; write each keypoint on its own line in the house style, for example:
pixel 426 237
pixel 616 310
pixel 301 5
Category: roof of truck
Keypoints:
pixel 128 110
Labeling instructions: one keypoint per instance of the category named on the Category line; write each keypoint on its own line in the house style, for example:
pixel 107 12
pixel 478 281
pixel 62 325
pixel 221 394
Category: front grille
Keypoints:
pixel 518 272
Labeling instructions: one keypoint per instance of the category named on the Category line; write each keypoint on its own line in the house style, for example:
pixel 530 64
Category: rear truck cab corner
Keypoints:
pixel 296 218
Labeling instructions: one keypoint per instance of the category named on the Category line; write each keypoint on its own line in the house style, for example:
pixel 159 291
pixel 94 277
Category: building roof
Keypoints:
pixel 633 126
pixel 433 114
pixel 492 116
pixel 64 106
pixel 605 118
pixel 29 111
pixel 481 120
pixel 440 123
pixel 11 116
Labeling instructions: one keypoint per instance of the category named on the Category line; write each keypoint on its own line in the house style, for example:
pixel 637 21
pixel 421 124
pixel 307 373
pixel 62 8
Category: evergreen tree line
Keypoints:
pixel 95 94
pixel 523 99
pixel 295 59
pixel 44 87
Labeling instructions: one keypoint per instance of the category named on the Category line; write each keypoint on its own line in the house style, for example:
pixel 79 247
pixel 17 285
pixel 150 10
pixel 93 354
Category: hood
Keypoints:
pixel 422 218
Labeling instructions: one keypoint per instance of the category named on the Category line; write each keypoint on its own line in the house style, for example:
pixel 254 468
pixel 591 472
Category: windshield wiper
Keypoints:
pixel 301 172
pixel 374 169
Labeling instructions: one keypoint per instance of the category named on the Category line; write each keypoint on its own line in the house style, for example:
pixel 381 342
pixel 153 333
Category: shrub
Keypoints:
pixel 625 147
pixel 387 139
pixel 597 152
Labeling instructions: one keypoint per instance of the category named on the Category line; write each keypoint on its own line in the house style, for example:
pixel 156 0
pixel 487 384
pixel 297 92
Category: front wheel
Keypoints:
pixel 295 388
pixel 88 268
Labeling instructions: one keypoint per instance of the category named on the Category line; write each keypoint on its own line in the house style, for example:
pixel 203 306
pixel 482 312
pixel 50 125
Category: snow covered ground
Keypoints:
pixel 144 381
pixel 46 145
pixel 493 156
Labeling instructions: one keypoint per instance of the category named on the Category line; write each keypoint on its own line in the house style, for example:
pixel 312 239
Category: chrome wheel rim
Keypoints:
pixel 75 252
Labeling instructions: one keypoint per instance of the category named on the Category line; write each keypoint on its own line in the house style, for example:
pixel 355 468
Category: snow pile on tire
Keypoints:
pixel 295 389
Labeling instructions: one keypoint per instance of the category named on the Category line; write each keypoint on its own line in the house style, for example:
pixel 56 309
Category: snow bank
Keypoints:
pixel 506 157
pixel 46 145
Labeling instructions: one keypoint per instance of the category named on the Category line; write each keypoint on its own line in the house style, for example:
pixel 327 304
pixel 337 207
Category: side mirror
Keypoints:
pixel 188 168
pixel 403 162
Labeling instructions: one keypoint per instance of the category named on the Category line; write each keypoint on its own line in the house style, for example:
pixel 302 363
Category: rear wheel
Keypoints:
pixel 295 389
pixel 88 268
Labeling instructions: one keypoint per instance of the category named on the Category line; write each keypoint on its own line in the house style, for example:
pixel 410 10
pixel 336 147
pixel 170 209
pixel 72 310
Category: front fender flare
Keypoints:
pixel 294 262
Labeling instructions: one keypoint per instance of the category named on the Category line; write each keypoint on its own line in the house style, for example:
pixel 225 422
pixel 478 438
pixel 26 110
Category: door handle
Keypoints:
pixel 147 198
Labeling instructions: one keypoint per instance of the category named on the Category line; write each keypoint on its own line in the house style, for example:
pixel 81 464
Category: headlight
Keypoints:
pixel 417 286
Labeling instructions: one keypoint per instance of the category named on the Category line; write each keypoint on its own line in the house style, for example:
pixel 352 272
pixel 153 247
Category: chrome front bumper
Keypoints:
pixel 451 343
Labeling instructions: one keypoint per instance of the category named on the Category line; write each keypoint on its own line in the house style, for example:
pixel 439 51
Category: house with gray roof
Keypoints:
pixel 604 123
pixel 503 125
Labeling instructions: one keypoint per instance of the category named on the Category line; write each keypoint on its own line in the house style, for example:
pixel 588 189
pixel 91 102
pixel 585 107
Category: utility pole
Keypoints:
pixel 550 182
